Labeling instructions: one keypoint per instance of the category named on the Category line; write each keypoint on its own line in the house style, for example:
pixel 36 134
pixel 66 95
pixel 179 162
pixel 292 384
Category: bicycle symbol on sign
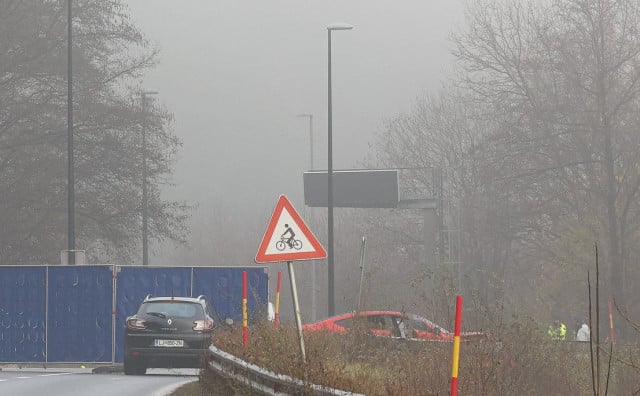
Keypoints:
pixel 287 238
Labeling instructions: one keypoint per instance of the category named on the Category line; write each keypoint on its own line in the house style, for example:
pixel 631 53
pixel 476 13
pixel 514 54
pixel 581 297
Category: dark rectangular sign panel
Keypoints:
pixel 353 189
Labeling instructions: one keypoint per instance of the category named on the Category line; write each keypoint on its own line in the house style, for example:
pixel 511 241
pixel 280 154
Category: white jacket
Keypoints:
pixel 583 333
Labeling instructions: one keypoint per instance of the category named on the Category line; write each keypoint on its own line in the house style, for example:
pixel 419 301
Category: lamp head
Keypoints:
pixel 339 26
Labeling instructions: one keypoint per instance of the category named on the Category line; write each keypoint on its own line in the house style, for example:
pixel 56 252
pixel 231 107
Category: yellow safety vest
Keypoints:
pixel 558 333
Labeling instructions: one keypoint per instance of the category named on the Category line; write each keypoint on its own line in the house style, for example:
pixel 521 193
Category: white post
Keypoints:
pixel 296 309
pixel 362 258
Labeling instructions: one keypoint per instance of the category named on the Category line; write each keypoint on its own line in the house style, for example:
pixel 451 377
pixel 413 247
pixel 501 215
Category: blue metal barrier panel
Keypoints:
pixel 223 288
pixel 22 314
pixel 80 313
pixel 65 313
pixel 135 283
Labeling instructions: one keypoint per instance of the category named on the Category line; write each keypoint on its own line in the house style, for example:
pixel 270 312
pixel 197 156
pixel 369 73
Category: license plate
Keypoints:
pixel 169 343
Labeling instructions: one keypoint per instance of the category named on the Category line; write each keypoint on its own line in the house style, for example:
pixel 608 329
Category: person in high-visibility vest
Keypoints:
pixel 557 331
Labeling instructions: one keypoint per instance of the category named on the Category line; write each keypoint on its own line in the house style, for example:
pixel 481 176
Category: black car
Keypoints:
pixel 168 332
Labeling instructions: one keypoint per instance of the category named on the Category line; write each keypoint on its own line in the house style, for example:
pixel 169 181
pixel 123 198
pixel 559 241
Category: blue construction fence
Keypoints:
pixel 76 314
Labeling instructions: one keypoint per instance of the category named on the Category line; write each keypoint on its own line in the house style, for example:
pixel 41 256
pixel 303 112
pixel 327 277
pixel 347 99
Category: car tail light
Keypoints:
pixel 202 325
pixel 135 323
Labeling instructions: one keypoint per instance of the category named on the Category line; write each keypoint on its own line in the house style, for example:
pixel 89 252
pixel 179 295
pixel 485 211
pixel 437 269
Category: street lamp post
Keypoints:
pixel 331 286
pixel 313 262
pixel 71 233
pixel 145 222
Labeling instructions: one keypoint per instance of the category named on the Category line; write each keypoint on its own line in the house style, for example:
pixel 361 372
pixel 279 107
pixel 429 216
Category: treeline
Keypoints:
pixel 109 56
pixel 537 136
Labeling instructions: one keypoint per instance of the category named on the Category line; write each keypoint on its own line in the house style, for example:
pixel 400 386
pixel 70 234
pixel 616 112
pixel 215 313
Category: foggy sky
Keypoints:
pixel 236 73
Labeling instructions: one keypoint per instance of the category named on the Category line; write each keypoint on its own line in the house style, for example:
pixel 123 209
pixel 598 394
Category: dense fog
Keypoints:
pixel 514 122
pixel 237 76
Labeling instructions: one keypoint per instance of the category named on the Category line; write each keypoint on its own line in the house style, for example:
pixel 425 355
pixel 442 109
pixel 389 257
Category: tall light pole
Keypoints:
pixel 313 262
pixel 331 289
pixel 71 233
pixel 145 222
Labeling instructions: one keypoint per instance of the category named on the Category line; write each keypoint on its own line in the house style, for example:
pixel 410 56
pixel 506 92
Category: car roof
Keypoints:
pixel 367 313
pixel 361 313
pixel 392 313
pixel 200 299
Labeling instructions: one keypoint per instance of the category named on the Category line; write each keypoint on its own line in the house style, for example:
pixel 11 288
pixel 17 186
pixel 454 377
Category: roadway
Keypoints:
pixel 82 381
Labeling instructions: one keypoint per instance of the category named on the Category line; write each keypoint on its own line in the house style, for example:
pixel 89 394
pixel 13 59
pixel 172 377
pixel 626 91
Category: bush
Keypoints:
pixel 519 360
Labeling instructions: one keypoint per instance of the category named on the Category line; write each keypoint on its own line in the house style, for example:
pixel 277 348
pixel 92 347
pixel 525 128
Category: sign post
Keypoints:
pixel 296 308
pixel 288 238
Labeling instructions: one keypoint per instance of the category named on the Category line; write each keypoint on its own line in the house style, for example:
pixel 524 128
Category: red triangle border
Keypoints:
pixel 263 257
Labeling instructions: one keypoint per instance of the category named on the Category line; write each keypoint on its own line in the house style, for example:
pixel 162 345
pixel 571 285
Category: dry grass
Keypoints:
pixel 522 361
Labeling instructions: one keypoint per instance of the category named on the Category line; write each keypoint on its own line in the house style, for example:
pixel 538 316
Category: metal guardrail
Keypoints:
pixel 262 380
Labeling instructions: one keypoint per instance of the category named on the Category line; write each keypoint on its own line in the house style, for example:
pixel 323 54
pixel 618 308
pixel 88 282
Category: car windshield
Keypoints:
pixel 426 325
pixel 174 309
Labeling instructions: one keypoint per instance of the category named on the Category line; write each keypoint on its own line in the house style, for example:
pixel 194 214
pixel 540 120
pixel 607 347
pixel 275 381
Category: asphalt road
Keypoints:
pixel 79 381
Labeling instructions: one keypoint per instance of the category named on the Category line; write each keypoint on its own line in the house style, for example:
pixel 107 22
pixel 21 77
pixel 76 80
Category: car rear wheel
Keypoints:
pixel 133 369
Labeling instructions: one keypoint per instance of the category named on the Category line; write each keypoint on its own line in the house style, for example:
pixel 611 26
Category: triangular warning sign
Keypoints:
pixel 287 237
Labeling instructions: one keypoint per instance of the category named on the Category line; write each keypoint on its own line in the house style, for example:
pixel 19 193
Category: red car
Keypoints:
pixel 390 324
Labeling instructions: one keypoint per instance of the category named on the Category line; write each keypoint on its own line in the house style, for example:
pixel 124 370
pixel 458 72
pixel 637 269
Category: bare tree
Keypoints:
pixel 562 80
pixel 109 56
